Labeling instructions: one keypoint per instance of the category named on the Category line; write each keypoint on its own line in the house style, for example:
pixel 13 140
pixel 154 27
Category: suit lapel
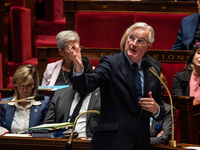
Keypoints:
pixel 93 100
pixel 9 116
pixel 33 115
pixel 129 78
pixel 67 102
pixel 147 80
pixel 194 24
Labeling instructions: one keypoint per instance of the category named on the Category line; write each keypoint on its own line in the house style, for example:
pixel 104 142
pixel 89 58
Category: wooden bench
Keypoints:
pixel 105 29
pixel 172 61
pixel 71 7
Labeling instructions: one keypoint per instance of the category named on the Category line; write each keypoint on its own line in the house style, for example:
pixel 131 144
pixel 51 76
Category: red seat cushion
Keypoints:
pixel 104 29
pixel 50 27
pixel 169 70
pixel 166 27
pixel 46 41
pixel 12 66
pixel 53 9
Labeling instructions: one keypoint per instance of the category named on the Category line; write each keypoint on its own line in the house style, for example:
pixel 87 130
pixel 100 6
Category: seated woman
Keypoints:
pixel 18 116
pixel 187 82
pixel 57 72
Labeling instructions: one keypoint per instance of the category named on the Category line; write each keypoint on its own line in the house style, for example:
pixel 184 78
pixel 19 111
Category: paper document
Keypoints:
pixel 192 148
pixel 52 125
pixel 18 135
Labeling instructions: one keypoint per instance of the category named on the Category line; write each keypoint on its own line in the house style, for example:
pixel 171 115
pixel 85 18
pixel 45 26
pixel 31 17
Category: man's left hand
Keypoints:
pixel 149 104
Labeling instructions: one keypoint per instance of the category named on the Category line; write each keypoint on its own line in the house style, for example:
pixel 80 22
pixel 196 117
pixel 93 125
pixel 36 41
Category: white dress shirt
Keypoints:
pixel 81 122
pixel 21 117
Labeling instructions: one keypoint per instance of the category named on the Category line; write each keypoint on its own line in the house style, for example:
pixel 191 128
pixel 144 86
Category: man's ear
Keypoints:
pixel 149 46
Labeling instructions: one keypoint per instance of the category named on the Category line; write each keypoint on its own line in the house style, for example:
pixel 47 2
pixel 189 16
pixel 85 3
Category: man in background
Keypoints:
pixel 189 32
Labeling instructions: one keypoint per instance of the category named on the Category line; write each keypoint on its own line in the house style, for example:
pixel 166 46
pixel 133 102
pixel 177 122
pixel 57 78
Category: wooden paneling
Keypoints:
pixel 45 53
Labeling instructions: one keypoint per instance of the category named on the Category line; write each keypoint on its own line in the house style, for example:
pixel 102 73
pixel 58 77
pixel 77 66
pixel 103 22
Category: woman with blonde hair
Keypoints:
pixel 18 116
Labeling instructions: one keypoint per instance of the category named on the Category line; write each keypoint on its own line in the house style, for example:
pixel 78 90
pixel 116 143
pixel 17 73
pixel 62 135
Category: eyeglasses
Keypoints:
pixel 28 86
pixel 132 38
pixel 73 47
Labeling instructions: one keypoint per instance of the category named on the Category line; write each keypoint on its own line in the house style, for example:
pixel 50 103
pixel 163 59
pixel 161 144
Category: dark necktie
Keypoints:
pixel 137 81
pixel 77 108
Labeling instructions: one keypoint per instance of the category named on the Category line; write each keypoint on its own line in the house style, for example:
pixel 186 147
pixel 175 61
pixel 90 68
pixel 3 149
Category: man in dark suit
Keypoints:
pixel 189 32
pixel 127 102
pixel 64 103
pixel 59 110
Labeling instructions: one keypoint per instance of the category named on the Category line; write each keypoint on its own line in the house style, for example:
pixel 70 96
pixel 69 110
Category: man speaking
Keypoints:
pixel 130 93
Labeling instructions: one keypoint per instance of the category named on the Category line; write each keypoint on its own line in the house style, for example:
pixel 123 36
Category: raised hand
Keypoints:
pixel 75 52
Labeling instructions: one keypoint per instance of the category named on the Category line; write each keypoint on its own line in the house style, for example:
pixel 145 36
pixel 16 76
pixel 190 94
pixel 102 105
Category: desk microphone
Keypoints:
pixel 70 139
pixel 172 142
pixel 31 98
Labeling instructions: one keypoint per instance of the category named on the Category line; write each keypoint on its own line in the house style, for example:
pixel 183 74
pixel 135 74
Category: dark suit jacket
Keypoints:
pixel 60 107
pixel 37 113
pixel 181 83
pixel 123 124
pixel 166 126
pixel 186 32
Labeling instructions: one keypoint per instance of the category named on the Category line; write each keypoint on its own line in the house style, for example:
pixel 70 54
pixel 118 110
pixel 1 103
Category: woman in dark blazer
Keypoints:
pixel 187 82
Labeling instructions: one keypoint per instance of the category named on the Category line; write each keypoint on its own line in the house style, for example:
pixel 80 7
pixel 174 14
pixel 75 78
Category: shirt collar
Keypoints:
pixel 33 103
pixel 131 63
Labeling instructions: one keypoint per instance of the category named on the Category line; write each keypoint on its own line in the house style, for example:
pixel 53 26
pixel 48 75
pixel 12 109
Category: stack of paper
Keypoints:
pixel 52 130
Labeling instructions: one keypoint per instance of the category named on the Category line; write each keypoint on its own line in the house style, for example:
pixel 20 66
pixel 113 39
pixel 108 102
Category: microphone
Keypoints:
pixel 38 97
pixel 69 142
pixel 172 142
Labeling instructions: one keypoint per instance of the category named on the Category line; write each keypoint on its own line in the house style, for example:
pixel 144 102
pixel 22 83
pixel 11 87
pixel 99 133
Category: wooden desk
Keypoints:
pixel 29 143
pixel 189 114
pixel 189 118
pixel 73 6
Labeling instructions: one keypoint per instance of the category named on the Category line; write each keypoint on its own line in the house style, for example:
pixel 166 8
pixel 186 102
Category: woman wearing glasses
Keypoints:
pixel 56 73
pixel 18 116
